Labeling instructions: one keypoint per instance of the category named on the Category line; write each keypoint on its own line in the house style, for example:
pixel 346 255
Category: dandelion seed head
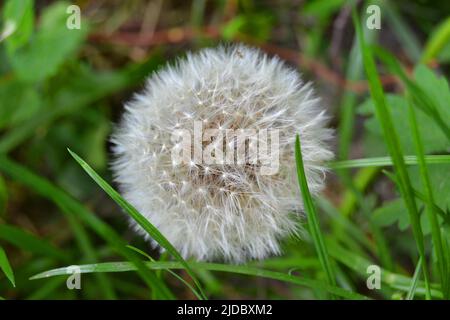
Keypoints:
pixel 221 211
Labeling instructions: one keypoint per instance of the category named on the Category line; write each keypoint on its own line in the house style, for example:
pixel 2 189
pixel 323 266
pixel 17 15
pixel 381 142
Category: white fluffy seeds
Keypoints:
pixel 220 211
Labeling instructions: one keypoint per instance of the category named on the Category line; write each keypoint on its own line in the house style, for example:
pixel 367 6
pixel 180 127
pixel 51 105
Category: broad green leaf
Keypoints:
pixel 20 102
pixel 390 213
pixel 19 16
pixel 80 90
pixel 434 140
pixel 52 44
pixel 440 181
pixel 437 89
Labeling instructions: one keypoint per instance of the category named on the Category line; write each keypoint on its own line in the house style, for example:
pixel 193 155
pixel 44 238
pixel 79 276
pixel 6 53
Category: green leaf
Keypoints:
pixel 390 213
pixel 139 218
pixel 237 269
pixel 80 90
pixel 19 16
pixel 434 141
pixel 52 44
pixel 440 181
pixel 437 90
pixel 6 267
pixel 20 102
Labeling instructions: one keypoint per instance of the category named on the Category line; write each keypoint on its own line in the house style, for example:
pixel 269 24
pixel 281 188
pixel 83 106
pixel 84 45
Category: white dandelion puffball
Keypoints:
pixel 225 206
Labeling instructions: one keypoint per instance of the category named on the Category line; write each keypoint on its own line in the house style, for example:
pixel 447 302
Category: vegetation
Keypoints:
pixel 387 198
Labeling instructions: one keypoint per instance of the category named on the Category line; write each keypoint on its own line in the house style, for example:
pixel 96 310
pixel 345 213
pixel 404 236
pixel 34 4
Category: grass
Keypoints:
pixel 245 270
pixel 140 219
pixel 52 216
pixel 393 144
pixel 312 216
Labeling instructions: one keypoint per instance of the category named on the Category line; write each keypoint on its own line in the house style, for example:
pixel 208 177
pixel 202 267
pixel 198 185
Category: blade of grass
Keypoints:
pixel 6 267
pixel 236 269
pixel 313 221
pixel 437 41
pixel 198 295
pixel 3 197
pixel 354 72
pixel 390 136
pixel 350 230
pixel 360 264
pixel 429 209
pixel 85 245
pixel 414 282
pixel 139 218
pixel 361 180
pixel 30 242
pixel 73 207
pixel 387 161
pixel 404 33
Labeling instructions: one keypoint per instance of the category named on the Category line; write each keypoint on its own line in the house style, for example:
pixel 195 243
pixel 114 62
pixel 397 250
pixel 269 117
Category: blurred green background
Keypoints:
pixel 62 87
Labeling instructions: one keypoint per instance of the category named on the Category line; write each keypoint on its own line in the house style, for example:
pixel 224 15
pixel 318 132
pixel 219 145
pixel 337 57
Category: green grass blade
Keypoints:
pixel 6 267
pixel 30 242
pixel 393 144
pixel 236 269
pixel 415 280
pixel 84 243
pixel 387 161
pixel 405 34
pixel 3 197
pixel 73 207
pixel 313 221
pixel 360 264
pixel 140 219
pixel 430 211
pixel 196 293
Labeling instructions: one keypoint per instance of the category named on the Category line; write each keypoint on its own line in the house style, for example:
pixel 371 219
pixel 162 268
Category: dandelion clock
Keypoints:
pixel 206 152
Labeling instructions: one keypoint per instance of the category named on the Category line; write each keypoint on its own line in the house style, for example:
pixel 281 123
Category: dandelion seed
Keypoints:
pixel 247 213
